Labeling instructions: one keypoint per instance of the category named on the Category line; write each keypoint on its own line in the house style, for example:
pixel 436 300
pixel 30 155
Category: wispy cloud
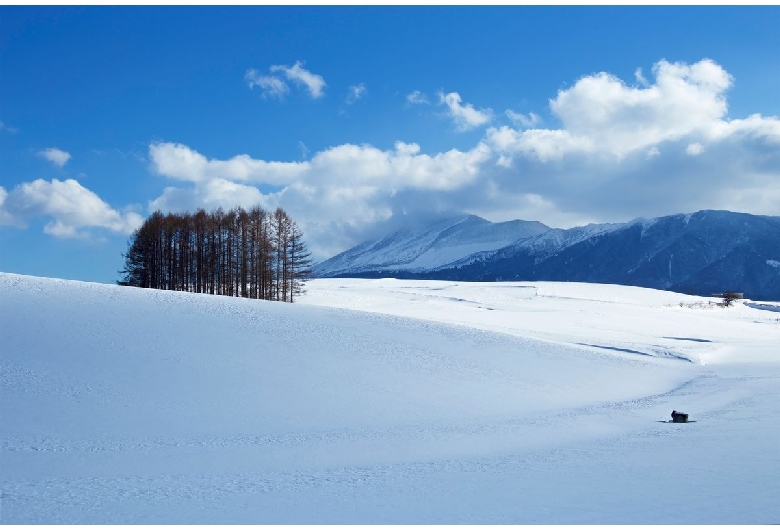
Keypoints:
pixel 8 128
pixel 58 157
pixel 417 98
pixel 314 83
pixel 270 85
pixel 466 117
pixel 641 78
pixel 527 122
pixel 355 93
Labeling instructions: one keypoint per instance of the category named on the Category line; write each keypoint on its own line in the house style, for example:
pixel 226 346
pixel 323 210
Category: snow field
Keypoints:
pixel 471 403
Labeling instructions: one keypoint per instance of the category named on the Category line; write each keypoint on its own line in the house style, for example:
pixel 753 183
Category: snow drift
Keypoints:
pixel 122 405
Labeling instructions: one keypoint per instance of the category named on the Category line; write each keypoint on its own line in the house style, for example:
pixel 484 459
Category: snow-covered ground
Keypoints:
pixel 385 401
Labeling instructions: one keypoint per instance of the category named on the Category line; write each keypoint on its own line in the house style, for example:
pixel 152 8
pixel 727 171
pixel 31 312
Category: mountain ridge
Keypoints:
pixel 697 253
pixel 439 244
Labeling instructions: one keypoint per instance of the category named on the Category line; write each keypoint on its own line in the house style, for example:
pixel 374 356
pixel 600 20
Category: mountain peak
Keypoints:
pixel 441 243
pixel 702 252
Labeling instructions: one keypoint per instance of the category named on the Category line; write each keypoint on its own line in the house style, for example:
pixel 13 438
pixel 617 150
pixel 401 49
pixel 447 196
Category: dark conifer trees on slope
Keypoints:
pixel 251 254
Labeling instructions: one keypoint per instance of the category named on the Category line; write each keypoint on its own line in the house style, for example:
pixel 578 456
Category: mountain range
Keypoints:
pixel 702 253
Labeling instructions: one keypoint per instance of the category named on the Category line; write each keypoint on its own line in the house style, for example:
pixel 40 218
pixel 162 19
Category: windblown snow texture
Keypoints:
pixel 385 401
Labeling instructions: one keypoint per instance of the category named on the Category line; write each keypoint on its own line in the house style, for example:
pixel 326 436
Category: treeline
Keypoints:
pixel 251 254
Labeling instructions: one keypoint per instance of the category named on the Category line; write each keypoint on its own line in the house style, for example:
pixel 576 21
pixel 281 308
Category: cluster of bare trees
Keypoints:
pixel 252 254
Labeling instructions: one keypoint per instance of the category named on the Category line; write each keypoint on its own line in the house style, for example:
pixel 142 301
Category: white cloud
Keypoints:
pixel 209 195
pixel 355 93
pixel 71 206
pixel 465 116
pixel 544 144
pixel 620 152
pixel 347 164
pixel 504 161
pixel 640 78
pixel 522 120
pixel 58 229
pixel 300 76
pixel 619 119
pixel 668 147
pixel 348 185
pixel 604 116
pixel 270 85
pixel 58 157
pixel 417 98
pixel 179 162
pixel 754 126
pixel 694 149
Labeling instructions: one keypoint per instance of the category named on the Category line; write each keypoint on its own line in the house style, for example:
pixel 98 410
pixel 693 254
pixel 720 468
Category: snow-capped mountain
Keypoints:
pixel 443 243
pixel 702 253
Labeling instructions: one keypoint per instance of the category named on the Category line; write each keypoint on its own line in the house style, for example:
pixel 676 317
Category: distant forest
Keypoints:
pixel 251 254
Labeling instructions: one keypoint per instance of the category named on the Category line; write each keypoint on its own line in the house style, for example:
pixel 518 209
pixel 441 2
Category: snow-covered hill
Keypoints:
pixel 401 402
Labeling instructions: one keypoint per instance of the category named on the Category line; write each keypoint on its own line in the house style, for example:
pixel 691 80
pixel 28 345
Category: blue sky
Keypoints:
pixel 358 120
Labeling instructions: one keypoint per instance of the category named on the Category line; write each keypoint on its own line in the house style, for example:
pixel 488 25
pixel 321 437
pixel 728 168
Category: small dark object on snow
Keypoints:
pixel 679 417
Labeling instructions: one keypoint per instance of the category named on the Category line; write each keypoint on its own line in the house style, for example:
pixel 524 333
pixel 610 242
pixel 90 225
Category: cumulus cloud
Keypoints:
pixel 296 73
pixel 58 157
pixel 358 181
pixel 619 119
pixel 544 144
pixel 602 115
pixel 417 98
pixel 466 117
pixel 270 85
pixel 179 162
pixel 346 164
pixel 619 152
pixel 666 147
pixel 355 93
pixel 70 206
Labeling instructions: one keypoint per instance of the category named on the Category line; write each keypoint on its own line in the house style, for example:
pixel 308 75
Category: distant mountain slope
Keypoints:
pixel 438 245
pixel 701 253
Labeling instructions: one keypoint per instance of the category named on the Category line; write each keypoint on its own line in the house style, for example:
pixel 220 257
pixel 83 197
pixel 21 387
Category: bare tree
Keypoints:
pixel 250 254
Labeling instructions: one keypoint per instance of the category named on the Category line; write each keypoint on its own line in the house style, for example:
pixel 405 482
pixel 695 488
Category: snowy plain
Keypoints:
pixel 386 401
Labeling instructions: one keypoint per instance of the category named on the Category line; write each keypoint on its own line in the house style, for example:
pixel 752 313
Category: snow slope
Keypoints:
pixel 462 403
pixel 443 243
